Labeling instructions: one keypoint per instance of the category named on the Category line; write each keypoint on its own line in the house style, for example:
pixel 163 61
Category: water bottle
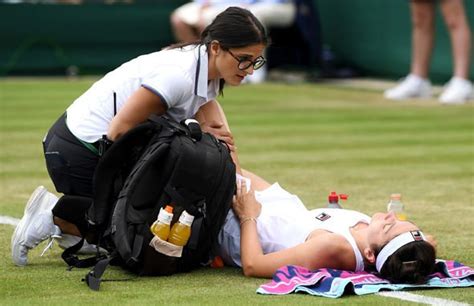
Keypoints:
pixel 333 199
pixel 161 227
pixel 396 206
pixel 181 230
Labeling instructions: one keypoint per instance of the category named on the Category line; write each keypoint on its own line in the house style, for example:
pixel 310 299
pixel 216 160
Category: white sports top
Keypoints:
pixel 177 76
pixel 285 222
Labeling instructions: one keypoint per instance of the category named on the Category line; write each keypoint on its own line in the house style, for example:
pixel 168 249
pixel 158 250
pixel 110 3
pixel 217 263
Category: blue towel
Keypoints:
pixel 334 283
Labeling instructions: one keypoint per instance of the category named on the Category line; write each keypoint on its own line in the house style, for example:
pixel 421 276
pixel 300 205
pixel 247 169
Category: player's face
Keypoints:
pixel 234 64
pixel 384 227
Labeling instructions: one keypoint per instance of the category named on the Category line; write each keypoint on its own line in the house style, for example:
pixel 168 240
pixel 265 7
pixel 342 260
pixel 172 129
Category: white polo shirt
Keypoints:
pixel 177 76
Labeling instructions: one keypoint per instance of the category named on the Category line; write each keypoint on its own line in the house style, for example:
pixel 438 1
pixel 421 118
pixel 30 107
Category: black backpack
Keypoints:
pixel 158 163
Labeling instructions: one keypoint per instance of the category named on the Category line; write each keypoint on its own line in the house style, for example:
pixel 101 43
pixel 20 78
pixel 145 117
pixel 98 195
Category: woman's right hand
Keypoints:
pixel 244 203
pixel 220 132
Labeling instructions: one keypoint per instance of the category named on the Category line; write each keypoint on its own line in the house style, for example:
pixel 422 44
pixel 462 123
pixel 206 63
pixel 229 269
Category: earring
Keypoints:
pixel 216 44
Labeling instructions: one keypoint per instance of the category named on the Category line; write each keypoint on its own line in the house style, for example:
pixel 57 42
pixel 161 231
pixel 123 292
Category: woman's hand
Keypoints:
pixel 244 203
pixel 220 132
pixel 212 119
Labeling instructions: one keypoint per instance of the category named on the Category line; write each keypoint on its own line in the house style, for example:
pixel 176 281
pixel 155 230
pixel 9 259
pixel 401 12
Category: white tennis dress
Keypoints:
pixel 285 222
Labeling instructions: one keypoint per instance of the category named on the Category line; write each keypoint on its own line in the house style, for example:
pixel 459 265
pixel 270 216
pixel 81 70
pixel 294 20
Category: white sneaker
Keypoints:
pixel 456 91
pixel 35 226
pixel 412 86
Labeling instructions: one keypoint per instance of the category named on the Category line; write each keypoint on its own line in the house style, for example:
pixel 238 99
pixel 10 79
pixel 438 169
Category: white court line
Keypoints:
pixel 9 220
pixel 420 298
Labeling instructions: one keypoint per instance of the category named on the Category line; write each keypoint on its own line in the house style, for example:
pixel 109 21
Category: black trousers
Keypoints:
pixel 71 167
pixel 70 164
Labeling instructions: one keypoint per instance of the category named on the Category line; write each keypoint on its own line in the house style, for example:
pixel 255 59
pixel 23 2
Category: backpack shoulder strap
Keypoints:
pixel 94 277
pixel 189 127
pixel 129 248
pixel 74 262
pixel 110 166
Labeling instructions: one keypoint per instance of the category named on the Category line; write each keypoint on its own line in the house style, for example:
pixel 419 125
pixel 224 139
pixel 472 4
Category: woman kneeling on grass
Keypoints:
pixel 270 228
pixel 180 82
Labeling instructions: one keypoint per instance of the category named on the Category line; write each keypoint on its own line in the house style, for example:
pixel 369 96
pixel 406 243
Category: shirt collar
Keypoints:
pixel 202 68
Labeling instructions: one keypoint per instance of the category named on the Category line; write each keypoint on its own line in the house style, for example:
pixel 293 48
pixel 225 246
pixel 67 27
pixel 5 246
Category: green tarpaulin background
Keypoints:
pixel 372 36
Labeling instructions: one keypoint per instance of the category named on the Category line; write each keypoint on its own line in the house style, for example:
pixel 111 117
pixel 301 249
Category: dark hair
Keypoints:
pixel 233 28
pixel 412 263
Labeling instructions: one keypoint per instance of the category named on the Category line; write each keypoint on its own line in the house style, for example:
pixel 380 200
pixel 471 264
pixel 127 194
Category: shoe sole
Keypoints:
pixel 453 103
pixel 421 97
pixel 18 236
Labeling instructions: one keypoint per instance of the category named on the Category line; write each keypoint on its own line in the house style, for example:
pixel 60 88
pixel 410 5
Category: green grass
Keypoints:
pixel 311 138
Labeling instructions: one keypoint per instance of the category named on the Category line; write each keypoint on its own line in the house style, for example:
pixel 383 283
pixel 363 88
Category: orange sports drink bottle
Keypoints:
pixel 161 227
pixel 396 206
pixel 181 230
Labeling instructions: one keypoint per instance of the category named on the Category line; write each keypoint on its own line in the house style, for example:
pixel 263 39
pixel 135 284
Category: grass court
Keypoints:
pixel 311 138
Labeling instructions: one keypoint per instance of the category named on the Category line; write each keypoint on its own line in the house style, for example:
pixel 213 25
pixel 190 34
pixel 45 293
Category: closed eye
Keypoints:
pixel 387 227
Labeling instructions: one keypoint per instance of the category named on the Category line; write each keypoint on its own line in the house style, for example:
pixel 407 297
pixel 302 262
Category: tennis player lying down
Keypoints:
pixel 269 228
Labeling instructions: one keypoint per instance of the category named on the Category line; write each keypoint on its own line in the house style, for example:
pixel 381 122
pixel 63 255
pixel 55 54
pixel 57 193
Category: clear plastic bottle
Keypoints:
pixel 181 230
pixel 161 227
pixel 396 206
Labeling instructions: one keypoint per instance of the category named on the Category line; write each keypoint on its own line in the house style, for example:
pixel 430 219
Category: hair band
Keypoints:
pixel 395 244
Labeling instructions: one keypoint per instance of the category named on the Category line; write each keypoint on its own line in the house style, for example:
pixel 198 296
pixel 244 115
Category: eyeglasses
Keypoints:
pixel 245 63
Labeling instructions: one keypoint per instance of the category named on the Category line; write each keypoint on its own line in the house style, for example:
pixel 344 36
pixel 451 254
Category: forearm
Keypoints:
pixel 248 209
pixel 117 128
pixel 212 119
pixel 250 249
pixel 257 264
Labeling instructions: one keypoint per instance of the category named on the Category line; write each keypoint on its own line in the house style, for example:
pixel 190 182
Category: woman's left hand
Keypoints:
pixel 244 203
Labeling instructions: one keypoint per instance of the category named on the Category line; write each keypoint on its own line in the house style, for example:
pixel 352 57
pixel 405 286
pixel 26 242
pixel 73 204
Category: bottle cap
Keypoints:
pixel 166 215
pixel 186 218
pixel 343 196
pixel 396 196
pixel 333 197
